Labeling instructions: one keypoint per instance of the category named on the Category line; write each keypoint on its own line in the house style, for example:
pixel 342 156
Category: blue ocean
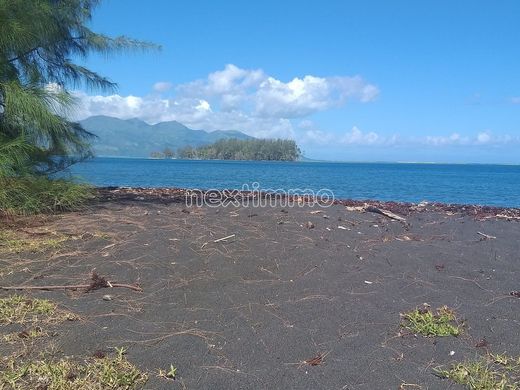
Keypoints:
pixel 493 185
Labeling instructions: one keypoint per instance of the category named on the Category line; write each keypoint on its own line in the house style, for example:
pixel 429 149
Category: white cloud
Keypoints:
pixel 234 98
pixel 151 109
pixel 483 138
pixel 357 137
pixel 441 140
pixel 234 88
pixel 162 86
pixel 515 100
pixel 261 105
pixel 310 94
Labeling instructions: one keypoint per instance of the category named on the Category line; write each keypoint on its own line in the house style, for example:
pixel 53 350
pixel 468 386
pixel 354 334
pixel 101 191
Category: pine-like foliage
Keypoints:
pixel 39 42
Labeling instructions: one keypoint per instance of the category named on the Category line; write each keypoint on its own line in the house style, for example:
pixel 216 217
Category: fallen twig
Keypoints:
pixel 486 236
pixel 68 287
pixel 97 283
pixel 224 238
pixel 317 360
pixel 218 240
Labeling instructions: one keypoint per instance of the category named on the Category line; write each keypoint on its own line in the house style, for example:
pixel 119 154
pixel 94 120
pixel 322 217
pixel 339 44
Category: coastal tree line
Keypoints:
pixel 235 149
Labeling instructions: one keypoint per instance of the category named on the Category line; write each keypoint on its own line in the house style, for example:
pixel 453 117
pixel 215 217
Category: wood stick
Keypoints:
pixel 217 240
pixel 224 238
pixel 69 287
pixel 487 236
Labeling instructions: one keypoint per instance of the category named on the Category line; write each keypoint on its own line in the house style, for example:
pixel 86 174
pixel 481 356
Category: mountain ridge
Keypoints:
pixel 136 138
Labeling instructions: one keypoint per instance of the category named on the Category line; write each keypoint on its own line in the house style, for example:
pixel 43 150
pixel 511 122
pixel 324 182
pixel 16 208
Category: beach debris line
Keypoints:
pixel 97 282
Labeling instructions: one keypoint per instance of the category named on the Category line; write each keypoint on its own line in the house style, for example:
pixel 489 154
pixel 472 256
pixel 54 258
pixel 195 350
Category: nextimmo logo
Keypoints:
pixel 255 196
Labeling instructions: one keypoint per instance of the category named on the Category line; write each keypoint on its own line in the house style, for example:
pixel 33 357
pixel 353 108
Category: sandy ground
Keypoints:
pixel 249 311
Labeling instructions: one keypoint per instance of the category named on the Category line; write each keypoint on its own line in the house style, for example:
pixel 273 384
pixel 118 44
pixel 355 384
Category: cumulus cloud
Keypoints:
pixel 150 109
pixel 261 105
pixel 303 96
pixel 253 90
pixel 234 98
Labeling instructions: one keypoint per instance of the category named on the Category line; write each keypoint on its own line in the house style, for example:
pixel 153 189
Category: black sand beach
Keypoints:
pixel 296 298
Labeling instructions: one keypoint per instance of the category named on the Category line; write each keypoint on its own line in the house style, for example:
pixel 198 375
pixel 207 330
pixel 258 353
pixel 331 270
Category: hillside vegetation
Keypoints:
pixel 136 138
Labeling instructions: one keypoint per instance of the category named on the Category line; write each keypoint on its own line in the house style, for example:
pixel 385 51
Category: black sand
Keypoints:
pixel 249 311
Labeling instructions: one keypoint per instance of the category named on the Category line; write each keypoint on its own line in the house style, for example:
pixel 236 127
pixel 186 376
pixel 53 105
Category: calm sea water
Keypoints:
pixel 468 184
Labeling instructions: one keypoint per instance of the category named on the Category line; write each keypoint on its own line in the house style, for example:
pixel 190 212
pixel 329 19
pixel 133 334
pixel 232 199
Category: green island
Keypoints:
pixel 236 149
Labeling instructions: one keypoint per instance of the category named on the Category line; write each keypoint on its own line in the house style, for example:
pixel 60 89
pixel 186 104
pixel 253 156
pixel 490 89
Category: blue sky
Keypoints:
pixel 431 81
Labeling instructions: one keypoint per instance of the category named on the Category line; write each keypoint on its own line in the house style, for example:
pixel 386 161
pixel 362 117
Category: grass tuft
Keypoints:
pixel 442 322
pixel 29 334
pixel 65 374
pixel 20 309
pixel 17 242
pixel 492 372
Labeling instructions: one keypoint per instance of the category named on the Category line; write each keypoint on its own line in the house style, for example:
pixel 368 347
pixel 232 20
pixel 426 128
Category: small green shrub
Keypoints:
pixel 65 374
pixel 491 372
pixel 442 322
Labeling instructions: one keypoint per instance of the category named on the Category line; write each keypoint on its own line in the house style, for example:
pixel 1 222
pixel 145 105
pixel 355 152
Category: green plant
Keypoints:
pixel 121 351
pixel 13 242
pixel 442 322
pixel 491 372
pixel 21 309
pixel 172 372
pixel 66 374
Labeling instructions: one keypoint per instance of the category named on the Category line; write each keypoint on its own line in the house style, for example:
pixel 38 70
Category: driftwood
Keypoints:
pixel 386 213
pixel 377 210
pixel 96 283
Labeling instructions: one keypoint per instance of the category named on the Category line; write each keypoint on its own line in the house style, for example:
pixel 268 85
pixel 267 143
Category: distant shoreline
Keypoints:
pixel 315 161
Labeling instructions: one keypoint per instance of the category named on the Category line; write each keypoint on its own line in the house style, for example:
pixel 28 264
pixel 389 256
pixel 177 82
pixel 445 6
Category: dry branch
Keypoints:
pixel 68 287
pixel 96 283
